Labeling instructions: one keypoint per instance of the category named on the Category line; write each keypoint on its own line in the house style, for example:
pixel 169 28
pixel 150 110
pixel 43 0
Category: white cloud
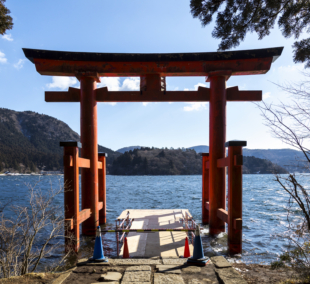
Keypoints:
pixel 266 96
pixel 114 84
pixel 62 82
pixel 199 85
pixel 195 106
pixel 2 58
pixel 145 103
pixel 19 64
pixel 7 37
pixel 131 84
pixel 112 104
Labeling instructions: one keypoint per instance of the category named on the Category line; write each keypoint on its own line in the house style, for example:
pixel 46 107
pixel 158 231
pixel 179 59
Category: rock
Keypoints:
pixel 137 276
pixel 160 278
pixel 94 271
pixel 230 276
pixel 113 282
pixel 115 269
pixel 136 261
pixel 203 281
pixel 110 276
pixel 82 260
pixel 169 269
pixel 191 269
pixel 172 261
pixel 220 262
pixel 139 268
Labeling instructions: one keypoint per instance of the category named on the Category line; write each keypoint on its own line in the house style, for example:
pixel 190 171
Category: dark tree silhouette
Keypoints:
pixel 6 22
pixel 236 18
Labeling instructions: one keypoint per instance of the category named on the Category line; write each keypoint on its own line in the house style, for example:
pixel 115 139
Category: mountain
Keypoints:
pixel 30 141
pixel 291 160
pixel 200 149
pixel 154 161
pixel 127 149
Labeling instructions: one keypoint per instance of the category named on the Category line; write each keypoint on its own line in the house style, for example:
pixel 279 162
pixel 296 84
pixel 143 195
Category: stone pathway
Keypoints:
pixel 154 271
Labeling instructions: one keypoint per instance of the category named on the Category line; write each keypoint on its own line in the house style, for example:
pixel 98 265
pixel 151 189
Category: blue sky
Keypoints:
pixel 135 26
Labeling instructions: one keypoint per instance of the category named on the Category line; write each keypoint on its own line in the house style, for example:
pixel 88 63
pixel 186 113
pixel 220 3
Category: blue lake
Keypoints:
pixel 264 203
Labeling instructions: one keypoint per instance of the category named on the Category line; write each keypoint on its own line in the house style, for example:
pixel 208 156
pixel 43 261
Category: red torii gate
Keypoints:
pixel 152 70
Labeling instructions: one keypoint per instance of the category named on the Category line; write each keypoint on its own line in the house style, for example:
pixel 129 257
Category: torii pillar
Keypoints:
pixel 88 124
pixel 217 139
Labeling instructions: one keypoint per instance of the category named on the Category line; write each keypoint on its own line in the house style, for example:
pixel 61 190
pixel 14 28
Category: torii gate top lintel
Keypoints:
pixel 241 62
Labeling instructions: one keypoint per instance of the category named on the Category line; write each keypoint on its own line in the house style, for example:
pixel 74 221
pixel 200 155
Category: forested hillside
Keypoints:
pixel 30 141
pixel 153 161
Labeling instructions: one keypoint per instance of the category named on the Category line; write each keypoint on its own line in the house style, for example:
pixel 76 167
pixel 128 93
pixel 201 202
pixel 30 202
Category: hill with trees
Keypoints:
pixel 154 161
pixel 29 141
pixel 290 159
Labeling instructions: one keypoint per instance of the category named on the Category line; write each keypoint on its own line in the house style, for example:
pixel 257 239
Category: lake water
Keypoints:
pixel 264 203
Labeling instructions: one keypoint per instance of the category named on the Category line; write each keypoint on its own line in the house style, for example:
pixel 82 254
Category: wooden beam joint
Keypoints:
pixel 222 214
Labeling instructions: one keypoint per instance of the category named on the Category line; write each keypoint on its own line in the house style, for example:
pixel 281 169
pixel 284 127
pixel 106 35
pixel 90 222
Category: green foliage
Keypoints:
pixel 277 264
pixel 6 22
pixel 236 18
pixel 32 139
pixel 152 161
pixel 253 165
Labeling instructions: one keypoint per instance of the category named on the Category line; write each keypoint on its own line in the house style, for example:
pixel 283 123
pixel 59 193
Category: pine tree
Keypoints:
pixel 6 22
pixel 243 16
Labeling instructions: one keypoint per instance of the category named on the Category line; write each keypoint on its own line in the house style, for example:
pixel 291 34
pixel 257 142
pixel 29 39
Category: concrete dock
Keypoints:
pixel 165 244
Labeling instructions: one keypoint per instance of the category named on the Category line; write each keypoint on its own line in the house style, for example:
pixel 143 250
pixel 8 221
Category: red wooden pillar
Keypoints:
pixel 102 188
pixel 235 196
pixel 71 194
pixel 217 136
pixel 89 151
pixel 205 187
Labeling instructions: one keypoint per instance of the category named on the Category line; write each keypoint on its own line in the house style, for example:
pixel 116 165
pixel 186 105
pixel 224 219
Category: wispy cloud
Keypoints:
pixel 196 106
pixel 114 84
pixel 2 58
pixel 7 37
pixel 19 64
pixel 266 96
pixel 62 82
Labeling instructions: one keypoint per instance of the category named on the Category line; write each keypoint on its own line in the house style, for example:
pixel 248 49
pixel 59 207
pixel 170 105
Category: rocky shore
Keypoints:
pixel 159 270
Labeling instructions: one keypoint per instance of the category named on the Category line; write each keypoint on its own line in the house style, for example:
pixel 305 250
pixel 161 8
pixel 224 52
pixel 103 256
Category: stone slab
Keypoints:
pixel 63 277
pixel 136 282
pixel 169 269
pixel 111 276
pixel 137 276
pixel 162 278
pixel 191 269
pixel 230 276
pixel 139 268
pixel 220 262
pixel 203 281
pixel 136 261
pixel 174 261
pixel 113 282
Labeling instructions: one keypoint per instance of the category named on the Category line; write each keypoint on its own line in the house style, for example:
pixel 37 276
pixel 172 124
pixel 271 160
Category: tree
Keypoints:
pixel 291 124
pixel 29 234
pixel 237 18
pixel 6 22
